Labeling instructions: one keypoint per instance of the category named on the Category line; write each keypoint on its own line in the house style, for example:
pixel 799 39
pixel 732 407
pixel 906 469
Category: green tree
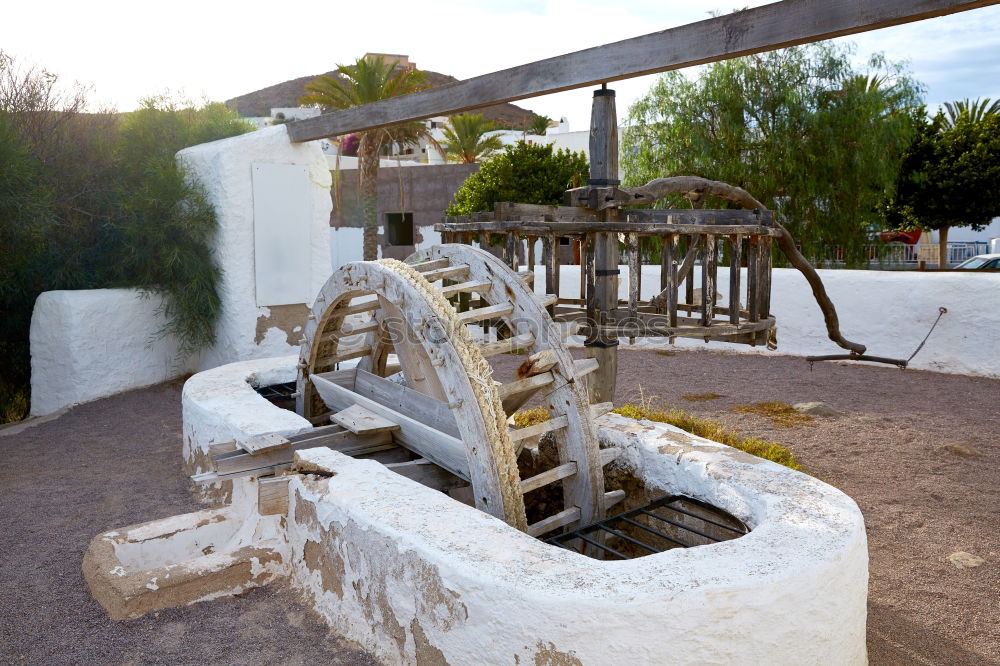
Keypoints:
pixel 950 175
pixel 538 125
pixel 466 140
pixel 799 129
pixel 367 80
pixel 523 173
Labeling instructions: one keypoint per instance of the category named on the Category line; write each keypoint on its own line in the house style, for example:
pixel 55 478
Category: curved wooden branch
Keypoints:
pixel 696 189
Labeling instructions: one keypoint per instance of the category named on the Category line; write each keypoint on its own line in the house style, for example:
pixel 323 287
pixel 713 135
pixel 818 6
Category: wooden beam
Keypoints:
pixel 546 525
pixel 742 33
pixel 438 447
pixel 428 474
pixel 361 421
pixel 272 496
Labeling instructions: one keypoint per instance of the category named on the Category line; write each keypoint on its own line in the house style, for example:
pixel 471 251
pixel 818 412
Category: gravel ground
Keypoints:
pixel 116 461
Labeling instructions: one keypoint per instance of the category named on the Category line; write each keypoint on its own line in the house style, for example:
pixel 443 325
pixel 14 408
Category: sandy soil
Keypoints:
pixel 108 464
pixel 117 461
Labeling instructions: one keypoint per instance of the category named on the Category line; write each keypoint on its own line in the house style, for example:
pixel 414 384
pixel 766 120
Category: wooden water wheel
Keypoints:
pixel 442 395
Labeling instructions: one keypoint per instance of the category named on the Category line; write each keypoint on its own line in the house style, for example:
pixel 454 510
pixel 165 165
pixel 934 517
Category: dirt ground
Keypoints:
pixel 116 461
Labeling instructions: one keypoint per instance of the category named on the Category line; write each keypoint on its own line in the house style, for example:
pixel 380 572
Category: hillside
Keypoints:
pixel 260 102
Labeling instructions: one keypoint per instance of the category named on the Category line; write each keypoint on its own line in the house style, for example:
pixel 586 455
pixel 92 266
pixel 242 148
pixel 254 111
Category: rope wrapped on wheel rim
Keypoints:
pixel 484 390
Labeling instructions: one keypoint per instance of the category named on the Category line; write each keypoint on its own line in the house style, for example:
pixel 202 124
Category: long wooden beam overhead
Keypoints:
pixel 763 28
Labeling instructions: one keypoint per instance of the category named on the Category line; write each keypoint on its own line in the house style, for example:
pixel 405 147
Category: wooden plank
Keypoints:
pixel 547 477
pixel 555 521
pixel 708 260
pixel 464 287
pixel 349 329
pixel 528 277
pixel 735 248
pixel 432 265
pixel 346 442
pixel 356 308
pixel 222 447
pixel 448 272
pixel 764 28
pixel 489 312
pixel 360 421
pixel 546 300
pixel 584 366
pixel 272 496
pixel 613 497
pixel 428 474
pixel 538 429
pixel 601 408
pixel 405 400
pixel 511 345
pixel 263 443
pixel 438 447
pixel 618 227
pixel 634 274
pixel 518 386
pixel 345 356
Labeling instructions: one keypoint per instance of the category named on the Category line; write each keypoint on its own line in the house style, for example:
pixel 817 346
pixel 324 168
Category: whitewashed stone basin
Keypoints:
pixel 417 577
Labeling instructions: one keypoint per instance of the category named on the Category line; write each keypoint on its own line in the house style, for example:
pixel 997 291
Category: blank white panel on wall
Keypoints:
pixel 281 239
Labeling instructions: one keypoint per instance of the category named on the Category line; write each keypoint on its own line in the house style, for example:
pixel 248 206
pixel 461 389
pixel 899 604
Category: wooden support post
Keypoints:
pixel 735 247
pixel 604 173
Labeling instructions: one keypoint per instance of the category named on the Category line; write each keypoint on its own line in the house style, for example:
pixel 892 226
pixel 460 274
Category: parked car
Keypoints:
pixel 980 262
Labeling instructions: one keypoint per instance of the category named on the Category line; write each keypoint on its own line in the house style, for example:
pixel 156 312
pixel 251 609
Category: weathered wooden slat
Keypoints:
pixel 489 312
pixel 670 250
pixel 547 300
pixel 555 521
pixel 753 279
pixel 447 272
pixel 348 330
pixel 601 408
pixel 634 274
pixel 519 386
pixel 547 477
pixel 764 28
pixel 464 287
pixel 619 227
pixel 552 268
pixel 357 308
pixel 272 496
pixel 346 355
pixel 437 446
pixel 428 474
pixel 346 442
pixel 528 277
pixel 613 497
pixel 708 260
pixel 735 248
pixel 361 421
pixel 584 366
pixel 510 345
pixel 262 443
pixel 405 400
pixel 538 429
pixel 425 266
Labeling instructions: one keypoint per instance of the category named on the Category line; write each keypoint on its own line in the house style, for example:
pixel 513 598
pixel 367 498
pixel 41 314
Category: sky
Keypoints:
pixel 216 50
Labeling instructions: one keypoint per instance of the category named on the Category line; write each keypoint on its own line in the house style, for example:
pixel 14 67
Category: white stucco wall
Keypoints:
pixel 93 343
pixel 888 311
pixel 224 169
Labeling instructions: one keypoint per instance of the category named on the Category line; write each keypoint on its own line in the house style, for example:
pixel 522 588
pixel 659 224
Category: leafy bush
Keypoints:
pixel 524 173
pixel 94 200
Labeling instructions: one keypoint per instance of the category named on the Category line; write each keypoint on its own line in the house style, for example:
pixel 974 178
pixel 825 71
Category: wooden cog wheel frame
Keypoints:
pixel 369 310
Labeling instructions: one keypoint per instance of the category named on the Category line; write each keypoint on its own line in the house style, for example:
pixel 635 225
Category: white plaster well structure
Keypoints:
pixel 413 559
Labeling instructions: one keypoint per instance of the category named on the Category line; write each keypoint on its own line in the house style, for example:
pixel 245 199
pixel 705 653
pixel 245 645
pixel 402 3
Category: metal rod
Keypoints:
pixel 628 538
pixel 680 525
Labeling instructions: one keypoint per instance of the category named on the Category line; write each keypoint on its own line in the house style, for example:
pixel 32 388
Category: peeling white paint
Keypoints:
pixel 410 569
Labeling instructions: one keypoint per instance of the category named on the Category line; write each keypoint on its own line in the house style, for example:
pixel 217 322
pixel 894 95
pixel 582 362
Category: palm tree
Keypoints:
pixel 369 79
pixel 977 111
pixel 465 138
pixel 538 125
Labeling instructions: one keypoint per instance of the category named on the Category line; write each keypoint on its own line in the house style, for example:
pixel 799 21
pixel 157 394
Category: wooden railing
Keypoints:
pixel 685 238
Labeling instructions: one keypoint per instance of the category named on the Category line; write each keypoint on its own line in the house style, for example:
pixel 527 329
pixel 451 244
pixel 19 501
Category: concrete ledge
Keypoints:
pixel 180 560
pixel 92 343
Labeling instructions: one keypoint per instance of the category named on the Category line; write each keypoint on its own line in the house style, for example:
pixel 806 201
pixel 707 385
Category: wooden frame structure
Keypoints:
pixel 764 28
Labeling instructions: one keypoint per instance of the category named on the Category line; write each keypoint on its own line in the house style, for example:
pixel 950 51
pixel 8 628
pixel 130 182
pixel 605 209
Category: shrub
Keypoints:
pixel 524 173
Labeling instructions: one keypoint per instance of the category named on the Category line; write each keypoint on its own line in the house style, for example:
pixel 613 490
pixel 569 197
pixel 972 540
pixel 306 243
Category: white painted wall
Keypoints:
pixel 888 311
pixel 224 168
pixel 347 243
pixel 93 343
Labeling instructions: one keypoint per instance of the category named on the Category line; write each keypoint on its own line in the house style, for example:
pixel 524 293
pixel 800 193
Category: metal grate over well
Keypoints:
pixel 672 521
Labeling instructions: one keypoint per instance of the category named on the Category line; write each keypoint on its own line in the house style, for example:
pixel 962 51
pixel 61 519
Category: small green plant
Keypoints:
pixel 712 430
pixel 781 414
pixel 700 397
pixel 530 417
